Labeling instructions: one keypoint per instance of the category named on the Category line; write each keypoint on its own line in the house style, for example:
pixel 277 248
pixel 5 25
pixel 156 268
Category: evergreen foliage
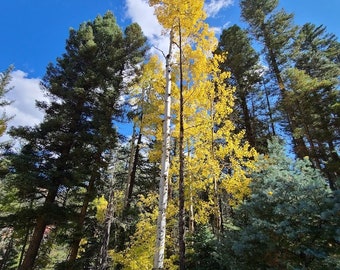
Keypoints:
pixel 313 85
pixel 5 78
pixel 290 221
pixel 242 62
pixel 69 150
pixel 203 250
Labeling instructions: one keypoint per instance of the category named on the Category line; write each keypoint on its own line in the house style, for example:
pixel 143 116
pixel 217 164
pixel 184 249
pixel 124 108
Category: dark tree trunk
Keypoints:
pixel 79 227
pixel 269 110
pixel 300 147
pixel 247 121
pixel 38 233
pixel 27 234
pixel 132 176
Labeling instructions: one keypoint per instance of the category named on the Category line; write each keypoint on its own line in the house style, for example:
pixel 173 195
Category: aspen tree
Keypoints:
pixel 149 95
pixel 177 17
pixel 165 164
pixel 202 103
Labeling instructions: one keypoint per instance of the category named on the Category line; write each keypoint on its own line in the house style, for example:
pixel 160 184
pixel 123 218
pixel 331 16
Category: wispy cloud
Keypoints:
pixel 213 7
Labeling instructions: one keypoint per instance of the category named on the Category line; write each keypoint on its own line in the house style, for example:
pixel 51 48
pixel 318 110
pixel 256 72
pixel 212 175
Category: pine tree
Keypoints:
pixel 8 203
pixel 243 63
pixel 315 99
pixel 67 150
pixel 276 31
pixel 313 87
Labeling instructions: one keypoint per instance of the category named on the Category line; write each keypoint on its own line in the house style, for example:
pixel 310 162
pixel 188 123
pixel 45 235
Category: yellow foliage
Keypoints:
pixel 3 126
pixel 100 204
pixel 170 12
pixel 217 159
pixel 82 244
pixel 138 255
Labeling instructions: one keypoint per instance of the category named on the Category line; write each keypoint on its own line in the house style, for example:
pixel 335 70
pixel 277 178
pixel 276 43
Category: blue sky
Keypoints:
pixel 34 33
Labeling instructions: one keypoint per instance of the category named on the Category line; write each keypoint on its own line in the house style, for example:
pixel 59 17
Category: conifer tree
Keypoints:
pixel 67 150
pixel 133 48
pixel 242 62
pixel 313 85
pixel 8 202
pixel 275 30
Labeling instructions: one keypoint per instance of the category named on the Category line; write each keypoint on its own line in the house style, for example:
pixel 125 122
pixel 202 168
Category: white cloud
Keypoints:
pixel 226 25
pixel 214 6
pixel 140 12
pixel 217 30
pixel 24 92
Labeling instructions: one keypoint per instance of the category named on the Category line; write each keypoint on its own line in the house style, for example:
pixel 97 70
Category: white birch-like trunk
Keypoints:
pixel 165 164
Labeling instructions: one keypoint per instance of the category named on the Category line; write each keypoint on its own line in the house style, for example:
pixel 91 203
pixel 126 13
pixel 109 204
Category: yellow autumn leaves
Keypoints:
pixel 217 159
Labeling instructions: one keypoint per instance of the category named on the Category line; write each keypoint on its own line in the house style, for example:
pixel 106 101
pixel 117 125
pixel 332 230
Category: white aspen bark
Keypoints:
pixel 191 213
pixel 165 164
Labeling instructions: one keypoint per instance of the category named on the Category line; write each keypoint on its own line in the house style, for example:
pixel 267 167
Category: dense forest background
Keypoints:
pixel 233 162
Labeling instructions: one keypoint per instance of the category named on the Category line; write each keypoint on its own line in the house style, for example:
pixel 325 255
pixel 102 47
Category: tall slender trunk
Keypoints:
pixel 332 157
pixel 165 164
pixel 314 156
pixel 300 147
pixel 132 177
pixel 191 200
pixel 27 235
pixel 334 174
pixel 191 213
pixel 217 221
pixel 181 211
pixel 79 227
pixel 103 257
pixel 38 233
pixel 134 158
pixel 269 109
pixel 131 162
pixel 247 121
